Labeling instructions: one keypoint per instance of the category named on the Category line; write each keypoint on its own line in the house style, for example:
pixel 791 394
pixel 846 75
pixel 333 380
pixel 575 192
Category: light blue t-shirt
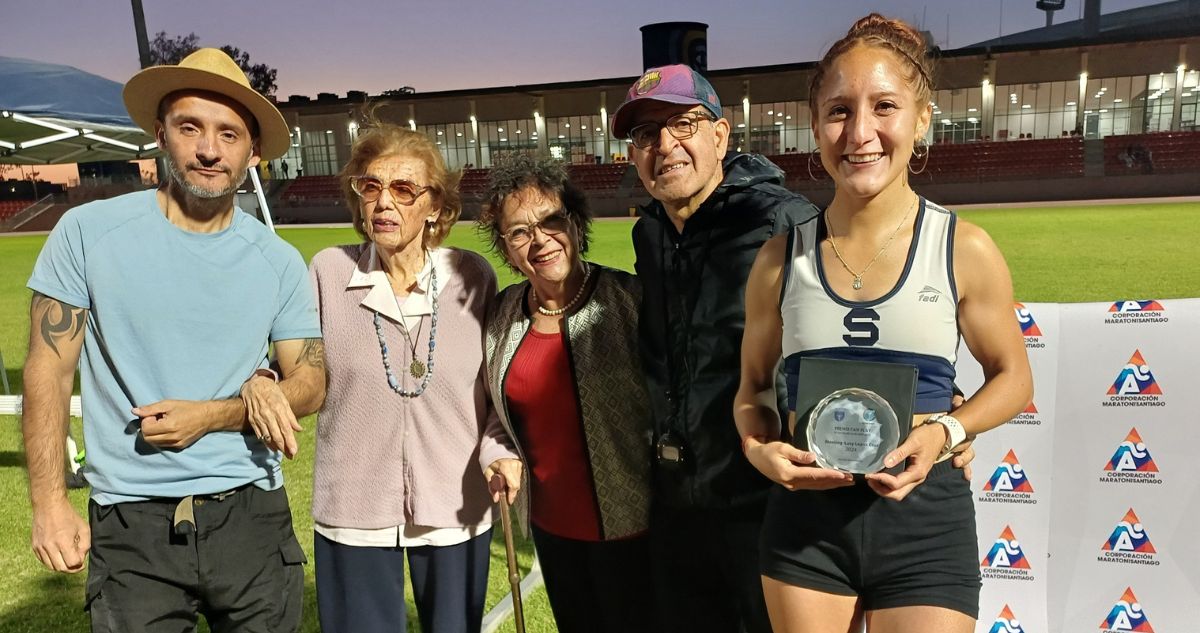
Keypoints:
pixel 171 315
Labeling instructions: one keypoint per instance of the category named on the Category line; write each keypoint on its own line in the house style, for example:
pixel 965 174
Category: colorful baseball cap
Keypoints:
pixel 676 83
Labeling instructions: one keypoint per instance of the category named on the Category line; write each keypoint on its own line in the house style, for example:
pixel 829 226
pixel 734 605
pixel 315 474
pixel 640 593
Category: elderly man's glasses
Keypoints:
pixel 553 224
pixel 370 188
pixel 682 126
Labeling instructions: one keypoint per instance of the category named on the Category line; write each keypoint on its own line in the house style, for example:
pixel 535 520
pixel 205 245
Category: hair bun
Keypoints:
pixel 896 31
pixel 898 36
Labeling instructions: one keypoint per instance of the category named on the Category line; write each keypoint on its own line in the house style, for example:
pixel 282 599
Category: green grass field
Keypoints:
pixel 1056 254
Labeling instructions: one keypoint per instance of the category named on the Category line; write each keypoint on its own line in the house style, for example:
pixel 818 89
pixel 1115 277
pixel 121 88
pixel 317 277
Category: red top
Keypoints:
pixel 541 397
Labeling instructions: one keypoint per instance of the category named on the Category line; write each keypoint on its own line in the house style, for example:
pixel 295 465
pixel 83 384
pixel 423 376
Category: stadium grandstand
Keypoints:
pixel 1048 114
pixel 1102 107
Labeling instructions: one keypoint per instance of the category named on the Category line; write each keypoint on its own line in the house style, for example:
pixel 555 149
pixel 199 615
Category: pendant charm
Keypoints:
pixel 416 368
pixel 857 282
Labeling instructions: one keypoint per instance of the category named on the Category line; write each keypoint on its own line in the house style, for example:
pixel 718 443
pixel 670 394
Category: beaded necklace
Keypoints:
pixel 587 274
pixel 416 368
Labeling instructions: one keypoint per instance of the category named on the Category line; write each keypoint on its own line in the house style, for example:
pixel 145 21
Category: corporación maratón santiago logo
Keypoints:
pixel 1131 463
pixel 1005 559
pixel 1028 417
pixel 1009 483
pixel 1006 622
pixel 1126 311
pixel 1029 327
pixel 1127 615
pixel 1135 386
pixel 1129 543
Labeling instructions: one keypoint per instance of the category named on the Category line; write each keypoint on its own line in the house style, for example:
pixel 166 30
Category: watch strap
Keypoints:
pixel 955 433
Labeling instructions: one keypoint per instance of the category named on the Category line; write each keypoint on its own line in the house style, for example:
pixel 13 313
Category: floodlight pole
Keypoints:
pixel 139 28
pixel 262 198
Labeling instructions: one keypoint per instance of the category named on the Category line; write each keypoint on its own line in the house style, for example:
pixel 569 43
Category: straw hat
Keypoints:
pixel 212 70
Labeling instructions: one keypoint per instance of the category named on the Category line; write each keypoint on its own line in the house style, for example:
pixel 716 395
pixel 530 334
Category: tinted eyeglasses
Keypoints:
pixel 370 188
pixel 521 234
pixel 681 126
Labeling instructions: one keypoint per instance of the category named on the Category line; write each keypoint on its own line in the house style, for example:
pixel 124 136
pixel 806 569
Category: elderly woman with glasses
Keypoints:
pixel 566 380
pixel 407 440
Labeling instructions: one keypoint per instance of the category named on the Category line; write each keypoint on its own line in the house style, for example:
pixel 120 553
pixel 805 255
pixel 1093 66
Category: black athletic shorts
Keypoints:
pixel 921 551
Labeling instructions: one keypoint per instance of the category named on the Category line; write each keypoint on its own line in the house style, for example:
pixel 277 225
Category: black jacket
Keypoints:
pixel 692 318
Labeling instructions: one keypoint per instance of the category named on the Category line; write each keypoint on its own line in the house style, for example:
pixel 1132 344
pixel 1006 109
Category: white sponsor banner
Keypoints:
pixel 1124 538
pixel 1012 486
pixel 1114 426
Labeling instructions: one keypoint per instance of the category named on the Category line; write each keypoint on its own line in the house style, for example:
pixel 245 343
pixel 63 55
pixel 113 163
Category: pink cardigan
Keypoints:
pixel 382 459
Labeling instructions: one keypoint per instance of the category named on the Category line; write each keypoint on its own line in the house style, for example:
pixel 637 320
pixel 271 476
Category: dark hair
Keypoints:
pixel 547 175
pixel 377 139
pixel 895 35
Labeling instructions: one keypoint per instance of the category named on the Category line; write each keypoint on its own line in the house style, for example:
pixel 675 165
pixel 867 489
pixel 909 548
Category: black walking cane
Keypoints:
pixel 514 575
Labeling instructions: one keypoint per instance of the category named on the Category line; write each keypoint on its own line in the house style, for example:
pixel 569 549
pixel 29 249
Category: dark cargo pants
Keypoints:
pixel 241 567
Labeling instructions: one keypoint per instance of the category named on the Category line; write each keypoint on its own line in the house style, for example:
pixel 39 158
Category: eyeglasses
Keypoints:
pixel 369 189
pixel 553 224
pixel 681 126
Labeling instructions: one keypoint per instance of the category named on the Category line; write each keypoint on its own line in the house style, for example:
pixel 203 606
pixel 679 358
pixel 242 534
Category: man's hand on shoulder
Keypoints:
pixel 175 424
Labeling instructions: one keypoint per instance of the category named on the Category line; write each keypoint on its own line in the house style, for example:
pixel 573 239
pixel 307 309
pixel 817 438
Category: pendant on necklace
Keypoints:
pixel 416 368
pixel 858 282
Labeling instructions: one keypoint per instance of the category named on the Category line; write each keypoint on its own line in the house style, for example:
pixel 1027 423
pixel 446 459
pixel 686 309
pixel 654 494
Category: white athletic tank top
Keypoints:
pixel 916 323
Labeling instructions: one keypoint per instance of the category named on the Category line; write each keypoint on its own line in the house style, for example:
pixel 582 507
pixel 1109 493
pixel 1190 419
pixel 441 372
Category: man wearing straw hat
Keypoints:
pixel 168 301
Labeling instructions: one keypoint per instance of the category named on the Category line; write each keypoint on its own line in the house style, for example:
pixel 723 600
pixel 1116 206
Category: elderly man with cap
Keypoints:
pixel 172 298
pixel 695 244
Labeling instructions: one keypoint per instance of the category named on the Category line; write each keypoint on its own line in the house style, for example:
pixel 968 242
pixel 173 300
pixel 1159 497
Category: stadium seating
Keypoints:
pixel 473 182
pixel 1158 153
pixel 9 208
pixel 972 162
pixel 598 178
pixel 323 190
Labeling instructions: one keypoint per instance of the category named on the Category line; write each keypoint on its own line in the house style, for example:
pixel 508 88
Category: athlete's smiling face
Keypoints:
pixel 867 119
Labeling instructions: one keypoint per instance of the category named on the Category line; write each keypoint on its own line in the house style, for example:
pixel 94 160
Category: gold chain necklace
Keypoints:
pixel 858 283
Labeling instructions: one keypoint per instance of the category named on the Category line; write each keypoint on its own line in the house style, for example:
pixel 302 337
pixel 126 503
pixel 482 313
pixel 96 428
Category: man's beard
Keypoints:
pixel 196 190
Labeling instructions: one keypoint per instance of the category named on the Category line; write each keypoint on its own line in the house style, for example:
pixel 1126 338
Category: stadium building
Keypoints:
pixel 1060 109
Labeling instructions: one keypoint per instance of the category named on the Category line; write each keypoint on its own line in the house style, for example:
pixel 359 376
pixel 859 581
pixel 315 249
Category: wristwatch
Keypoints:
pixel 955 433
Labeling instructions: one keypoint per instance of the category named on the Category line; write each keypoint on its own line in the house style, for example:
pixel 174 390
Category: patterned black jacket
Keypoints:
pixel 602 341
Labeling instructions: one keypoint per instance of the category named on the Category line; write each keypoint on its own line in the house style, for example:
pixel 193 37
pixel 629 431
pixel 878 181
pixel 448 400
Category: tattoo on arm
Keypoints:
pixel 59 322
pixel 312 354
